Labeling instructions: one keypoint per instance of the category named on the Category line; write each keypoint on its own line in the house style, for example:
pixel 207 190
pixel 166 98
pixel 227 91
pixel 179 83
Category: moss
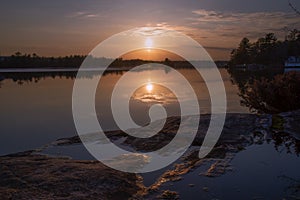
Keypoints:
pixel 277 122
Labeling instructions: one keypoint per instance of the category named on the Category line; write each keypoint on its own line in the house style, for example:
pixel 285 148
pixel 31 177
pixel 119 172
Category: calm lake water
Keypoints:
pixel 36 108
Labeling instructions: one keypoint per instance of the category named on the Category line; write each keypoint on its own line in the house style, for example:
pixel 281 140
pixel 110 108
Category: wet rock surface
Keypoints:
pixel 27 176
pixel 41 177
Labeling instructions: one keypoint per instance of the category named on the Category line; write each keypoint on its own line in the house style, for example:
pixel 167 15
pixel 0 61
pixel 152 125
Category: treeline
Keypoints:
pixel 19 60
pixel 177 64
pixel 267 50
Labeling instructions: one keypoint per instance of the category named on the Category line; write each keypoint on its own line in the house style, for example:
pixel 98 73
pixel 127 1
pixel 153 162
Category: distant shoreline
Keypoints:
pixel 30 70
pixel 75 69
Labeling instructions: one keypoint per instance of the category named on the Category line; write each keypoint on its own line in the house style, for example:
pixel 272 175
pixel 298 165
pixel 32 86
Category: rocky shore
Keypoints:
pixel 32 175
pixel 27 176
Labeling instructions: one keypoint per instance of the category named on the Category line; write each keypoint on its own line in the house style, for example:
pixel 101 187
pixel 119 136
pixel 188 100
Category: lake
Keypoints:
pixel 36 108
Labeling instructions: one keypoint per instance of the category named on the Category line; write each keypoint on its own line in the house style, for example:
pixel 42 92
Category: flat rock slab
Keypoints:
pixel 30 176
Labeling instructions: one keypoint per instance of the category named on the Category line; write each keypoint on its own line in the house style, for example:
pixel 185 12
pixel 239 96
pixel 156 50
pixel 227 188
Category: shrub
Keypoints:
pixel 280 94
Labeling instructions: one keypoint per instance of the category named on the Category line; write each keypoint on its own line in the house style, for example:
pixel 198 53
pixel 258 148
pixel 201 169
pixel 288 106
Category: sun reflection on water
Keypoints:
pixel 154 93
pixel 149 87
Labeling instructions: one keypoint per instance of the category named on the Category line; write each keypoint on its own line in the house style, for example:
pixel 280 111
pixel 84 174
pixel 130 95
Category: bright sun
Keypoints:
pixel 148 43
pixel 149 87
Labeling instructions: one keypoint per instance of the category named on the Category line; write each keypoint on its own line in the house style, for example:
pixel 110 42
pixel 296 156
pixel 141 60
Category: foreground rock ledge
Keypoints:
pixel 26 176
pixel 31 176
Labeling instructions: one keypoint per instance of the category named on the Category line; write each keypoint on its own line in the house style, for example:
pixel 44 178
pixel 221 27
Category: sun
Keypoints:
pixel 148 43
pixel 149 87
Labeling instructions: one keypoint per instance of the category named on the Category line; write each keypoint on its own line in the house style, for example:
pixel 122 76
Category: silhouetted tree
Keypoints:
pixel 241 55
pixel 280 94
pixel 267 50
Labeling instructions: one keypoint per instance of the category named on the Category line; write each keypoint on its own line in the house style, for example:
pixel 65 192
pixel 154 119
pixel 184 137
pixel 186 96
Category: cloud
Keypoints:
pixel 83 15
pixel 220 31
pixel 150 31
pixel 232 24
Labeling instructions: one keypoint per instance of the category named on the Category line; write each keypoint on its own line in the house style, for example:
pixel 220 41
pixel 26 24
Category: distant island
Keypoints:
pixel 33 61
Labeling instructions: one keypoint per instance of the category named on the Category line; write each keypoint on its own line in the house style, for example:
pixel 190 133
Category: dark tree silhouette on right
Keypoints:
pixel 280 94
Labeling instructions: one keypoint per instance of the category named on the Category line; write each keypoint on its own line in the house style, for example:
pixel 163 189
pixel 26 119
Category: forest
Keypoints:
pixel 267 50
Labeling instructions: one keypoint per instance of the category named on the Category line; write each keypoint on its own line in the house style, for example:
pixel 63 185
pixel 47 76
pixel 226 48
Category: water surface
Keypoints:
pixel 36 108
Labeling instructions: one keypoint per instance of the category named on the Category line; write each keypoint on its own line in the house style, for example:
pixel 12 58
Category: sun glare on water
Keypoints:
pixel 149 87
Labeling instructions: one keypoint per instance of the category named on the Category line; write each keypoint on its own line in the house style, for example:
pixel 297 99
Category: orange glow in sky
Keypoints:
pixel 149 43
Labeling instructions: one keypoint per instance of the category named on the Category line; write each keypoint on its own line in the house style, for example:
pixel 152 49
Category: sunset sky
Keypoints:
pixel 58 28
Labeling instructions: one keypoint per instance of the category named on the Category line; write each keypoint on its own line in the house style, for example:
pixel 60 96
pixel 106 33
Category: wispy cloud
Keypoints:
pixel 220 31
pixel 83 14
pixel 232 24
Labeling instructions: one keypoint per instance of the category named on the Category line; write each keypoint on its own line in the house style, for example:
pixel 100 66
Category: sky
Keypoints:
pixel 59 28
